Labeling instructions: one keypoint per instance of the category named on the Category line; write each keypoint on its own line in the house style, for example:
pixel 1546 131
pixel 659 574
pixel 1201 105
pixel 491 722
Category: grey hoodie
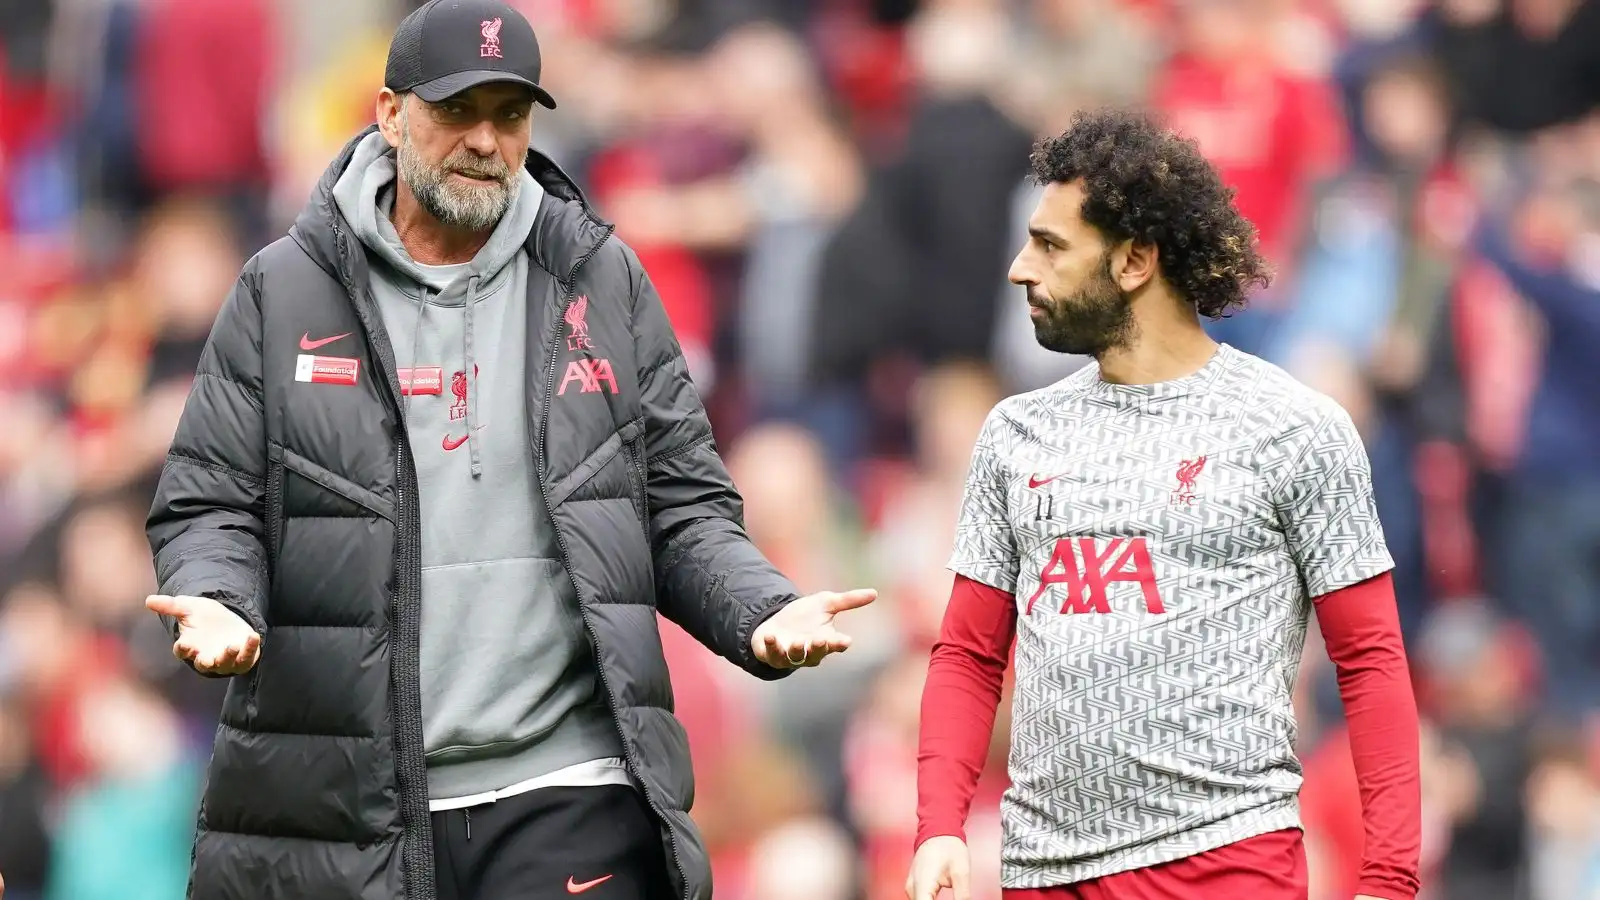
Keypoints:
pixel 508 683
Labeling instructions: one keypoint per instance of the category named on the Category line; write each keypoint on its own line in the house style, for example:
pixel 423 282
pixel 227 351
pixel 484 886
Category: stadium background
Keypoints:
pixel 827 194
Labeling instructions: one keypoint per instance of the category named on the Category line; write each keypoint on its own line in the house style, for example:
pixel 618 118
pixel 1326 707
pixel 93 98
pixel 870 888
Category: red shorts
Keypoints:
pixel 1267 867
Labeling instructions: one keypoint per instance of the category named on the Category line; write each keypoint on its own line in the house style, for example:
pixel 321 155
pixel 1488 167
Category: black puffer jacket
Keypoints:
pixel 295 505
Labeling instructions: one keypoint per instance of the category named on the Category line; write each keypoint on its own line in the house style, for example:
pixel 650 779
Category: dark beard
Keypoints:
pixel 1098 318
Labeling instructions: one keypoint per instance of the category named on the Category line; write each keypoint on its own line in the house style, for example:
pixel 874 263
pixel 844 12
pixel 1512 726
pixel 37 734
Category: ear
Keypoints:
pixel 389 107
pixel 1133 265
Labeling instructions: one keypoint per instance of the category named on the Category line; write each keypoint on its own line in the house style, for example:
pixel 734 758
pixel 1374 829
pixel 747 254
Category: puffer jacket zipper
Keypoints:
pixel 568 289
pixel 274 542
pixel 411 772
pixel 644 492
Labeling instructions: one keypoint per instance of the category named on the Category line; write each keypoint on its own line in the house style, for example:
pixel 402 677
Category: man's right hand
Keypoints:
pixel 210 635
pixel 941 862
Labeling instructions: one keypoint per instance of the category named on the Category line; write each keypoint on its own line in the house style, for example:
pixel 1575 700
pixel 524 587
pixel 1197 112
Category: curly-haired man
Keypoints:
pixel 1153 533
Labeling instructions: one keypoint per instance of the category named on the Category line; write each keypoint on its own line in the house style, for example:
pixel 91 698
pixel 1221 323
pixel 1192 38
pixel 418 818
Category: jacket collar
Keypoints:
pixel 566 232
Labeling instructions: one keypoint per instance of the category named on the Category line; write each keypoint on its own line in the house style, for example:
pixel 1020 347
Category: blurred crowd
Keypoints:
pixel 827 194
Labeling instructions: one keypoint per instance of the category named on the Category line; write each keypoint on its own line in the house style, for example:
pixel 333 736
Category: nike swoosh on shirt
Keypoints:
pixel 1035 481
pixel 306 343
pixel 575 888
pixel 451 443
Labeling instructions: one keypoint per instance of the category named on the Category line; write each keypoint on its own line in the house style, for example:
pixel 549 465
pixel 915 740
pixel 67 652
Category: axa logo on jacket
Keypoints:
pixel 591 375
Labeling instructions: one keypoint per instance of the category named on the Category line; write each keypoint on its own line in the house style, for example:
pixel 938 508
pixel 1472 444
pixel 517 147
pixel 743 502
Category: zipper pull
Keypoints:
pixel 468 813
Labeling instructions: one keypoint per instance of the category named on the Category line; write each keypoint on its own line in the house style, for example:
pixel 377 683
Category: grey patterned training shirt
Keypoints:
pixel 1163 543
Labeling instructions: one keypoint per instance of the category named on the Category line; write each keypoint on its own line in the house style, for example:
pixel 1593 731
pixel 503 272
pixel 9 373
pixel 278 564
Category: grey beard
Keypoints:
pixel 470 208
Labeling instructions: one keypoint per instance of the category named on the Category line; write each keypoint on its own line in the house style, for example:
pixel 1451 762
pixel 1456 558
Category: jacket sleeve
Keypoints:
pixel 205 525
pixel 710 579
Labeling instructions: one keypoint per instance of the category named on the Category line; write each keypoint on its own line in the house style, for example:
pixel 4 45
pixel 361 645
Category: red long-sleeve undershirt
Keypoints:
pixel 1361 628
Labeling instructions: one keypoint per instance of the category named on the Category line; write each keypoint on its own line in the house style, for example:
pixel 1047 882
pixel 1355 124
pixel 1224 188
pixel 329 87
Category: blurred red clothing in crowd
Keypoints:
pixel 1269 134
pixel 1498 348
pixel 28 114
pixel 712 717
pixel 203 84
pixel 57 736
pixel 866 66
pixel 584 16
pixel 678 275
pixel 880 759
pixel 1330 808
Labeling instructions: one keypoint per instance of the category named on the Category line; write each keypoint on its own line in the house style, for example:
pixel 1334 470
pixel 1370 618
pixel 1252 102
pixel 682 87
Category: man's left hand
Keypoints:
pixel 802 633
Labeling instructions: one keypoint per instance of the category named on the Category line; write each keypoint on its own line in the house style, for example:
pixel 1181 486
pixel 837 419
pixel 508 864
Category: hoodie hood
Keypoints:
pixel 549 218
pixel 365 194
pixel 565 229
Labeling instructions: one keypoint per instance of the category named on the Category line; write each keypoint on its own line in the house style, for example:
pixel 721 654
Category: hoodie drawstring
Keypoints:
pixel 472 380
pixel 416 338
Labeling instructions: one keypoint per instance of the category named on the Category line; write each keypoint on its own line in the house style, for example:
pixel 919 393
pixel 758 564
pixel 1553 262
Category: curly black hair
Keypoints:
pixel 1146 182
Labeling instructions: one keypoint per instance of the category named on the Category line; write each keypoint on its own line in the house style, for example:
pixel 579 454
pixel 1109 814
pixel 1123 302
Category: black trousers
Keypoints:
pixel 597 843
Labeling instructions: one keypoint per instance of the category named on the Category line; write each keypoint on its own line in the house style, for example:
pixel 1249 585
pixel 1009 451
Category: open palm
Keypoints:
pixel 803 633
pixel 210 635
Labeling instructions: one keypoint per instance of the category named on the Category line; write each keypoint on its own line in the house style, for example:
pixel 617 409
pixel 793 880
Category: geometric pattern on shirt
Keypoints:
pixel 1139 736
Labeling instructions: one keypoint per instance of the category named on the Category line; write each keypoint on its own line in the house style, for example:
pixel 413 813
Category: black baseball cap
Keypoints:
pixel 448 46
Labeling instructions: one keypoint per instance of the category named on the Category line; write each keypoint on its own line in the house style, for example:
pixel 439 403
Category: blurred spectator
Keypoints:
pixel 806 859
pixel 1270 132
pixel 916 524
pixel 126 834
pixel 1564 809
pixel 908 277
pixel 675 147
pixel 47 642
pixel 1385 232
pixel 203 71
pixel 760 787
pixel 801 176
pixel 1552 527
pixel 798 521
pixel 105 574
pixel 24 806
pixel 30 481
pixel 1383 248
pixel 1520 65
pixel 181 301
pixel 1478 691
pixel 881 764
pixel 1072 54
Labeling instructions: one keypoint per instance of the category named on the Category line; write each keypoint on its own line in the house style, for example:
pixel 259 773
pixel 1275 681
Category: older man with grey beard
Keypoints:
pixel 441 466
